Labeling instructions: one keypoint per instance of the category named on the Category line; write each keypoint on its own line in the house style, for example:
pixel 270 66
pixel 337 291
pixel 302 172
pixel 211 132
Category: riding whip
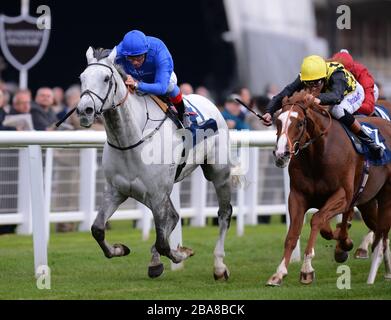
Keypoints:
pixel 66 117
pixel 249 109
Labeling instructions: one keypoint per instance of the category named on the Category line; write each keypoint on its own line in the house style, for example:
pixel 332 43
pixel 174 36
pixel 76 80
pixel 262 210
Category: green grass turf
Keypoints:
pixel 80 271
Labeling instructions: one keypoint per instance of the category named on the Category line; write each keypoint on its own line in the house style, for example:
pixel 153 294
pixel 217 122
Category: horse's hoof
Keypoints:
pixel 188 252
pixel 346 245
pixel 222 276
pixel 155 271
pixel 340 256
pixel 339 225
pixel 274 281
pixel 361 254
pixel 307 278
pixel 120 250
pixel 326 235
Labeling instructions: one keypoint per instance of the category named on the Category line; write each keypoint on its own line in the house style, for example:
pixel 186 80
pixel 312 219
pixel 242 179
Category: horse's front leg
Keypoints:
pixel 166 218
pixel 155 267
pixel 344 243
pixel 335 204
pixel 327 232
pixel 297 208
pixel 111 201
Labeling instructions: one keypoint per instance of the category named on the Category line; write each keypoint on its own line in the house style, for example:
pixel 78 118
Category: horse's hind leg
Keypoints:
pixel 155 267
pixel 220 176
pixel 369 215
pixel 383 224
pixel 387 260
pixel 166 218
pixel 362 250
pixel 111 201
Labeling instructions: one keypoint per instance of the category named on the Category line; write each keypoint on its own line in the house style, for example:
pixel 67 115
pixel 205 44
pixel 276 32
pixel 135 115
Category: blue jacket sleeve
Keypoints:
pixel 162 76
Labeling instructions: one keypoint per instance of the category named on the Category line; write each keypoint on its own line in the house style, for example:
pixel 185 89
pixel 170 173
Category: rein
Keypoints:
pixel 295 148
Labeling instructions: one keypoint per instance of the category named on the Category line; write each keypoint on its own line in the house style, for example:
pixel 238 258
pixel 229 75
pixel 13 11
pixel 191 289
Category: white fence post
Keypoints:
pixel 296 252
pixel 176 235
pixel 39 215
pixel 242 209
pixel 146 220
pixel 198 198
pixel 24 196
pixel 251 195
pixel 87 187
pixel 48 186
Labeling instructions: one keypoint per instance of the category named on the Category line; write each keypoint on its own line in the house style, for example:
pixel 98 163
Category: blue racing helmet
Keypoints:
pixel 135 43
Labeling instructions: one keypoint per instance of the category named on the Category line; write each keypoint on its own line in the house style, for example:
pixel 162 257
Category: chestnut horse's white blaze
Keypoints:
pixel 283 140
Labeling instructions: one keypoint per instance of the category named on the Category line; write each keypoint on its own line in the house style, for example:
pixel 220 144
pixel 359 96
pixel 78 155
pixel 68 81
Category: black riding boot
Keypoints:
pixel 376 150
pixel 180 107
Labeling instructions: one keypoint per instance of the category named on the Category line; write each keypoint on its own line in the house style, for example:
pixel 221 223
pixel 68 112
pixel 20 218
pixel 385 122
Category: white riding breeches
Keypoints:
pixel 173 82
pixel 351 103
pixel 376 92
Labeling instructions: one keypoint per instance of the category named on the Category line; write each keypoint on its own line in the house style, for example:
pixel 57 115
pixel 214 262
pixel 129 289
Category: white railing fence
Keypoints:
pixel 35 187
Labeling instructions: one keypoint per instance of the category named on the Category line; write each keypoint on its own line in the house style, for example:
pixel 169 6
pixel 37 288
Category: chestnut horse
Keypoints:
pixel 363 249
pixel 325 173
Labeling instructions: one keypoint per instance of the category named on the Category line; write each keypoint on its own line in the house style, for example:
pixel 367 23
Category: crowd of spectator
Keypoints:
pixel 21 111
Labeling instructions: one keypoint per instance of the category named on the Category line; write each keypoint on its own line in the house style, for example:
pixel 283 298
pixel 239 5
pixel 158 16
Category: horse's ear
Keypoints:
pixel 113 55
pixel 90 55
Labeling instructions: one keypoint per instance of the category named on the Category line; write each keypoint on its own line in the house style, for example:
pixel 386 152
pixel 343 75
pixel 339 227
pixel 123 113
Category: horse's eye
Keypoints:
pixel 107 78
pixel 300 124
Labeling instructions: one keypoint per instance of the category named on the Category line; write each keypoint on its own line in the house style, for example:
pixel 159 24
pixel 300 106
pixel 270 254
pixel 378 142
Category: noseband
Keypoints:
pixel 295 148
pixel 103 100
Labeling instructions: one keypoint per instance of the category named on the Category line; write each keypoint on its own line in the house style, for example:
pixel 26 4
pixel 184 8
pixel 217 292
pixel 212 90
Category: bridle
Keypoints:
pixel 295 147
pixel 103 100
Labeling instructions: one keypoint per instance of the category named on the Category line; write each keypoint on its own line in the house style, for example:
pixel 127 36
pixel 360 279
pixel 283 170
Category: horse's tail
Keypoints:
pixel 238 178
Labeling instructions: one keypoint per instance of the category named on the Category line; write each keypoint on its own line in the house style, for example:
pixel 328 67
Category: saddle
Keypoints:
pixel 168 108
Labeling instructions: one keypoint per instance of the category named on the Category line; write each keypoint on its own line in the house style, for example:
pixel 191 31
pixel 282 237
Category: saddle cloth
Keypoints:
pixel 197 123
pixel 362 149
pixel 382 112
pixel 194 120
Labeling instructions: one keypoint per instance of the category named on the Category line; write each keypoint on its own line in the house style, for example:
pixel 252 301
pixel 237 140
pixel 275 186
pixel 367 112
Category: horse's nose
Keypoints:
pixel 278 154
pixel 86 111
pixel 89 111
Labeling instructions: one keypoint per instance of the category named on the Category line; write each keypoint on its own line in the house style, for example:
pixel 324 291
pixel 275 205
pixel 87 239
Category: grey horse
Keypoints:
pixel 135 128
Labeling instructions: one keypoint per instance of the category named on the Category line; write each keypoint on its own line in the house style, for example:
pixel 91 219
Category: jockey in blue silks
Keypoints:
pixel 150 67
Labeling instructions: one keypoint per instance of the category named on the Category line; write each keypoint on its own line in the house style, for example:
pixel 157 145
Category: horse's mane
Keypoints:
pixel 299 97
pixel 307 103
pixel 101 53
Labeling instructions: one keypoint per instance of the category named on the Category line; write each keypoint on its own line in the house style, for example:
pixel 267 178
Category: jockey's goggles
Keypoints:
pixel 138 58
pixel 313 83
